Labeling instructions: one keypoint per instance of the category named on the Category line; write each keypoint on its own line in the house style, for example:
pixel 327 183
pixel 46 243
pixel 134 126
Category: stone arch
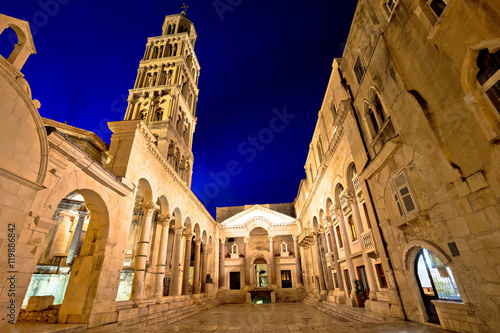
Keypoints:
pixel 315 224
pixel 258 257
pixel 163 204
pixel 25 46
pixel 177 217
pixel 260 222
pixel 350 172
pixel 321 214
pixel 144 190
pixel 197 231
pixel 338 189
pixel 409 255
pixel 188 225
pixel 89 267
pixel 328 205
pixel 204 237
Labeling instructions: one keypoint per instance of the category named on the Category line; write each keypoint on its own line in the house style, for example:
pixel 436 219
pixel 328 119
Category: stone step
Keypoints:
pixel 346 313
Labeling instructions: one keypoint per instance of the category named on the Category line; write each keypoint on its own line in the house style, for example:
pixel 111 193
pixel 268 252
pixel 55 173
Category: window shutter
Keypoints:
pixel 403 195
pixel 396 198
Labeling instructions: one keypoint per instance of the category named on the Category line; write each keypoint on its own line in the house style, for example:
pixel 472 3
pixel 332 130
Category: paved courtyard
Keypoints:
pixel 277 318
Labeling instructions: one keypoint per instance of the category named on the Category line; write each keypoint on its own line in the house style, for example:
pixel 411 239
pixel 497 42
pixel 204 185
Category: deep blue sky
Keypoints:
pixel 262 55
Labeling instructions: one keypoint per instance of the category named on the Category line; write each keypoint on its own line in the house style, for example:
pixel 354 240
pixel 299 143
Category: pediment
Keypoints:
pixel 258 216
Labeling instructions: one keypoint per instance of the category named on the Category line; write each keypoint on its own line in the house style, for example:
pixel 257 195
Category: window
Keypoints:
pixel 336 280
pixel 376 115
pixel 319 147
pixel 434 277
pixel 359 69
pixel 488 77
pixel 286 279
pixel 403 195
pixel 437 6
pixel 159 115
pixel 381 276
pixel 339 238
pixel 350 220
pixel 389 6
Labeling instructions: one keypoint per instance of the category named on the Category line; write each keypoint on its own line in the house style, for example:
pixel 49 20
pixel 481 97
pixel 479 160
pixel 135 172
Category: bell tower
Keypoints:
pixel 165 93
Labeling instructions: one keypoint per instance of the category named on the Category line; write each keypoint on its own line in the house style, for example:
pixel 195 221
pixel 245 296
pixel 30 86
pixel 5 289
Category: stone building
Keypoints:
pixel 397 218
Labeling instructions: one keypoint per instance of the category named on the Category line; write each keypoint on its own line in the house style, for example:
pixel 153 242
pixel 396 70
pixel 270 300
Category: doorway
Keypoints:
pixel 435 281
pixel 363 281
pixel 261 276
pixel 234 281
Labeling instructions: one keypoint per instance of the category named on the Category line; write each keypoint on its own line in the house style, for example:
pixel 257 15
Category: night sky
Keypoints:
pixel 265 67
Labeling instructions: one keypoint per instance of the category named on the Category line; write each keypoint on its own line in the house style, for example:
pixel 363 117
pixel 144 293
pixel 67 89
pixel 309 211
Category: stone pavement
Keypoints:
pixel 296 317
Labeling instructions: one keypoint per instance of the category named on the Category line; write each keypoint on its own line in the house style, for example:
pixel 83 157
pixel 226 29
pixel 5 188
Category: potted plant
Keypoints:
pixel 360 295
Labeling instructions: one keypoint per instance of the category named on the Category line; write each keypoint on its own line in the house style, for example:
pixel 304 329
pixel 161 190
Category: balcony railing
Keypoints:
pixel 305 237
pixel 369 242
pixel 343 201
pixel 357 186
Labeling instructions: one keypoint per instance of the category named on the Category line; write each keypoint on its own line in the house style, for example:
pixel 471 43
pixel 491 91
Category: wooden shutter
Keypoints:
pixel 403 195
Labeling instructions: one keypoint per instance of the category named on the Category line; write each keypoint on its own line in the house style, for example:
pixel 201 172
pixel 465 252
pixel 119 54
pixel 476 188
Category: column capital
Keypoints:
pixel 295 237
pixel 59 218
pixel 164 219
pixel 350 197
pixel 83 212
pixel 188 235
pixel 178 230
pixel 223 240
pixel 197 241
pixel 149 207
pixel 271 237
pixel 335 211
pixel 327 220
pixel 246 240
pixel 205 246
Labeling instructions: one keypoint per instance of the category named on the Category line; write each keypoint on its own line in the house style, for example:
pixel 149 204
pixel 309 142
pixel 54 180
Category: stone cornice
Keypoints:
pixel 291 220
pixel 61 143
pixel 150 139
pixel 332 148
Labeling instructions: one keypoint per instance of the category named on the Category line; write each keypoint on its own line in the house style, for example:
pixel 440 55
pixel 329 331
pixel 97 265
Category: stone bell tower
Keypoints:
pixel 165 93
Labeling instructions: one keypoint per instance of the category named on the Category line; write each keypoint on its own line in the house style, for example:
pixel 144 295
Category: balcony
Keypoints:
pixel 385 133
pixel 369 243
pixel 343 201
pixel 305 237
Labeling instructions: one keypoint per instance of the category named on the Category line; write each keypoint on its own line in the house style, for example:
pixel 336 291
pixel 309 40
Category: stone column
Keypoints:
pixel 320 263
pixel 247 261
pixel 326 270
pixel 162 255
pixel 222 264
pixel 176 253
pixel 337 212
pixel 358 226
pixel 196 277
pixel 328 222
pixel 187 264
pixel 204 267
pixel 82 214
pixel 142 251
pixel 271 260
pixel 298 275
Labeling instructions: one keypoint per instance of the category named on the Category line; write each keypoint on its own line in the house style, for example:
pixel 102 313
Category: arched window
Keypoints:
pixel 379 109
pixel 376 115
pixel 373 122
pixel 144 115
pixel 488 77
pixel 159 115
pixel 319 148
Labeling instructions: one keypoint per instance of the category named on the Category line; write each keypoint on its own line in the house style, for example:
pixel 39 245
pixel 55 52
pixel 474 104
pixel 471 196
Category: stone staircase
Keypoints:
pixel 346 313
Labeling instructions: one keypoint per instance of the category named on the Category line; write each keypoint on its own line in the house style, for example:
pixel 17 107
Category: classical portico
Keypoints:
pixel 259 259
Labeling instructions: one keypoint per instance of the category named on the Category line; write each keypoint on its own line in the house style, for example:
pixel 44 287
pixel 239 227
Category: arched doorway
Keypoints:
pixel 435 281
pixel 261 276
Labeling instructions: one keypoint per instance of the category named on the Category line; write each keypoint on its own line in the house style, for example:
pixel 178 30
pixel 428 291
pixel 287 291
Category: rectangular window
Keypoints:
pixel 381 276
pixel 336 279
pixel 339 238
pixel 403 195
pixel 367 216
pixel 359 69
pixel 286 279
pixel 350 220
pixel 234 281
pixel 347 280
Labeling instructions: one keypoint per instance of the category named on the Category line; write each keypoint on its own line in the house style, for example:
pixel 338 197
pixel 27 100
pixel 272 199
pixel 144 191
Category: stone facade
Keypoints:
pixel 408 107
